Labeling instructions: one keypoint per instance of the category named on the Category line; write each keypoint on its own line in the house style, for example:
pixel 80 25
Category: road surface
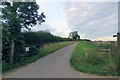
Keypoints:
pixel 54 65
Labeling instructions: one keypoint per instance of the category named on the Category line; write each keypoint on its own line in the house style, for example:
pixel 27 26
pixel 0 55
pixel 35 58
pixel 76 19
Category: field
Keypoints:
pixel 43 51
pixel 95 61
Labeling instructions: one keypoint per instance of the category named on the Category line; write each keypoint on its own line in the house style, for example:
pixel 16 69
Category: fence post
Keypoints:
pixel 118 52
pixel 112 49
pixel 86 55
pixel 118 40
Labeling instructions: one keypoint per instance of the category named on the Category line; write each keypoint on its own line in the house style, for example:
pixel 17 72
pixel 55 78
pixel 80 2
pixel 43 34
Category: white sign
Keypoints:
pixel 27 48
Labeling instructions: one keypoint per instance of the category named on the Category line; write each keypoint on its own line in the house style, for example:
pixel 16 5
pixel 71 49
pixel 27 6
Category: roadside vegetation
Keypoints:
pixel 93 58
pixel 51 47
pixel 40 43
pixel 21 46
pixel 41 52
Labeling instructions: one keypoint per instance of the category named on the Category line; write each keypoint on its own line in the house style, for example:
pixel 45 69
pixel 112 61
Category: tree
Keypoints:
pixel 74 35
pixel 17 16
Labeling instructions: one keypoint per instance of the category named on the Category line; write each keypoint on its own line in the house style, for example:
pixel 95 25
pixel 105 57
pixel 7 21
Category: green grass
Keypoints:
pixel 96 62
pixel 43 51
pixel 51 47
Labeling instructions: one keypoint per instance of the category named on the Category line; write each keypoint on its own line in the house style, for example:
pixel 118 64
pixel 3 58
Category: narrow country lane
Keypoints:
pixel 55 65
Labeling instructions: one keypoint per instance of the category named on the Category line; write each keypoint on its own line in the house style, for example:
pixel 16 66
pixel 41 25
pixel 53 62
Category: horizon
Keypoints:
pixel 90 19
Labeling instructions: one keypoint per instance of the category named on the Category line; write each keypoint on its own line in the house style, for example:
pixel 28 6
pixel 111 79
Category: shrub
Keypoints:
pixel 6 66
pixel 34 40
pixel 41 37
pixel 32 51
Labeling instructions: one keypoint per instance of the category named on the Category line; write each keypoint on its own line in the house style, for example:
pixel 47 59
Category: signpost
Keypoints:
pixel 118 39
pixel 27 48
pixel 118 52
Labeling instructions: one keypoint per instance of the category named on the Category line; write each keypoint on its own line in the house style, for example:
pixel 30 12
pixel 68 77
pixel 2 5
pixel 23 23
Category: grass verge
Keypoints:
pixel 96 61
pixel 43 51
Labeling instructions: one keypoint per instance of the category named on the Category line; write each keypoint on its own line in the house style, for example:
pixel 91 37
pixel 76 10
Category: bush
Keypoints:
pixel 6 66
pixel 32 51
pixel 41 37
pixel 34 40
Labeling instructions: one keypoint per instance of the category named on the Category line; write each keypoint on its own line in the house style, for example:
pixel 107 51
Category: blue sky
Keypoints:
pixel 93 20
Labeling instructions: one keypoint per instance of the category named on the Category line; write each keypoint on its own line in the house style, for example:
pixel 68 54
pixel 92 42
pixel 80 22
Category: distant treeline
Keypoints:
pixel 85 40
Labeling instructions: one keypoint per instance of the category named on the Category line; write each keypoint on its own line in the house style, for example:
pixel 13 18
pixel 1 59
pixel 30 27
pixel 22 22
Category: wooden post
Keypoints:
pixel 118 40
pixel 118 52
pixel 86 55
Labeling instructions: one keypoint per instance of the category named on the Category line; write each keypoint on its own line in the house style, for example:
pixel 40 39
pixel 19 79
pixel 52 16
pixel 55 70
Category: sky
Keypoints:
pixel 95 20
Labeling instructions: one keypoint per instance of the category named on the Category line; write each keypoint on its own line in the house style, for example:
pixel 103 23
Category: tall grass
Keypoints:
pixel 110 67
pixel 97 61
pixel 51 47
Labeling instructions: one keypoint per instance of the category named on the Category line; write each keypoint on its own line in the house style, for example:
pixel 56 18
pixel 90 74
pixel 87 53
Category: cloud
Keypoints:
pixel 60 28
pixel 94 20
pixel 77 0
pixel 43 26
pixel 57 28
pixel 55 21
